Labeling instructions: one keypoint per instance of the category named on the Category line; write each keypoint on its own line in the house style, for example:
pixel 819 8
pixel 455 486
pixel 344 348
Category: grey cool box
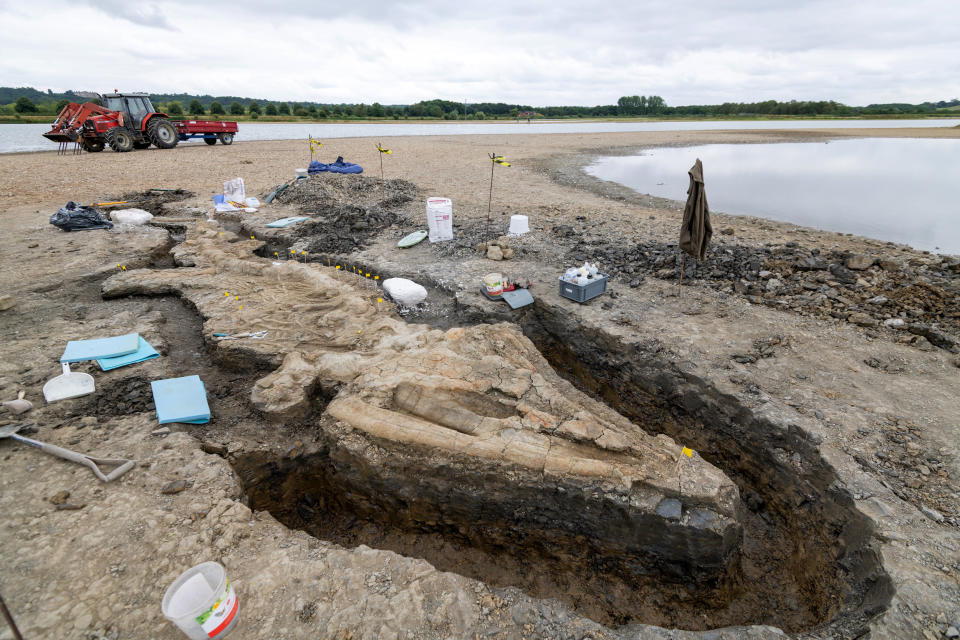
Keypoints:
pixel 583 292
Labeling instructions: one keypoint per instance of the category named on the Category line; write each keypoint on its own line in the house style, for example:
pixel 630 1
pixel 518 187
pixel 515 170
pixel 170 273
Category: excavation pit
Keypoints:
pixel 466 448
pixel 805 565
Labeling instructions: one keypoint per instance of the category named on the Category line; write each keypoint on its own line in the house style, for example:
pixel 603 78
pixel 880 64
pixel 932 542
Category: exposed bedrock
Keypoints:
pixel 467 429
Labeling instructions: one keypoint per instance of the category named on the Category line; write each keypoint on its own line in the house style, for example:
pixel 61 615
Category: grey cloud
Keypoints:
pixel 147 15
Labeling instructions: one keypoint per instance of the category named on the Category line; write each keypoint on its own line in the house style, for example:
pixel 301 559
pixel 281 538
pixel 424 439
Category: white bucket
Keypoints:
pixel 519 225
pixel 202 602
pixel 301 173
pixel 440 219
pixel 494 283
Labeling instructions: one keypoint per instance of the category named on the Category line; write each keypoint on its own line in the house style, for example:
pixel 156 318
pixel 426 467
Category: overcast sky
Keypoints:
pixel 530 52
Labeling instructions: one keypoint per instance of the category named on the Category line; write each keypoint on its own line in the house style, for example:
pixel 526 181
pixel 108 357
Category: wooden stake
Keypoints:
pixel 9 619
pixel 490 198
pixel 380 153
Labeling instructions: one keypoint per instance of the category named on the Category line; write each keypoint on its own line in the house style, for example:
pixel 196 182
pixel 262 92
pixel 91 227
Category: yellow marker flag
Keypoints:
pixel 314 144
pixel 687 452
pixel 499 160
pixel 382 150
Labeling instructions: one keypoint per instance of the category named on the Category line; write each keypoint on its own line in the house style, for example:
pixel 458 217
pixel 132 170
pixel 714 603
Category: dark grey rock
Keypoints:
pixel 670 509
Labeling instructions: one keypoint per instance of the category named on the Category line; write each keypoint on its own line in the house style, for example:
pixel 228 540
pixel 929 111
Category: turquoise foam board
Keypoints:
pixel 144 352
pixel 181 400
pixel 80 350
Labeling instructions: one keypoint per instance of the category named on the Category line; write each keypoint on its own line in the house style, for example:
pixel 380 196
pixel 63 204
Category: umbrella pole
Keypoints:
pixel 683 259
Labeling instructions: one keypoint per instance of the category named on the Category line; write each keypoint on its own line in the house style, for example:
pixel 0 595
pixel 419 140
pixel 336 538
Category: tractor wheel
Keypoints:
pixel 162 134
pixel 225 138
pixel 93 146
pixel 141 145
pixel 210 140
pixel 119 139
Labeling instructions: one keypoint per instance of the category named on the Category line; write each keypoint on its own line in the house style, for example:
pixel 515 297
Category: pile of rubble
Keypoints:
pixel 346 211
pixel 919 295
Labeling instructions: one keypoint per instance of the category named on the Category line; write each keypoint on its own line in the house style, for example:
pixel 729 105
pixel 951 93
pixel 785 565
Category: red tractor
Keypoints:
pixel 128 121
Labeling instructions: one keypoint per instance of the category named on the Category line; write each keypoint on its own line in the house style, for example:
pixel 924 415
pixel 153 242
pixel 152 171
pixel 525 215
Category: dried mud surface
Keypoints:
pixel 821 394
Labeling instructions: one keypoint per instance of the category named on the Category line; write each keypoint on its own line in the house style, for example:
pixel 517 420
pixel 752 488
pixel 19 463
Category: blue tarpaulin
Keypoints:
pixel 337 166
pixel 344 167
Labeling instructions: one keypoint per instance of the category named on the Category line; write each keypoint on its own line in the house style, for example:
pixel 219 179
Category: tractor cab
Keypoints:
pixel 134 107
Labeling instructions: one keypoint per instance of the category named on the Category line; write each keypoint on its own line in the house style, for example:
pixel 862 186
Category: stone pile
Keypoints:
pixel 499 250
pixel 919 295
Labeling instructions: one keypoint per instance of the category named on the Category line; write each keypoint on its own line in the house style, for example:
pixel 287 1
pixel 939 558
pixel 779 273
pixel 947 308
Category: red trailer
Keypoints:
pixel 209 130
pixel 128 121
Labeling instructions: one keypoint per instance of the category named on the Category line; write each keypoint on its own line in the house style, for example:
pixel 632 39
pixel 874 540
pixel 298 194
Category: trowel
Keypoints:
pixel 122 465
pixel 69 384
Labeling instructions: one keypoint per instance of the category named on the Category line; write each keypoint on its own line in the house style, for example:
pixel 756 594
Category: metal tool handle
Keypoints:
pixel 88 461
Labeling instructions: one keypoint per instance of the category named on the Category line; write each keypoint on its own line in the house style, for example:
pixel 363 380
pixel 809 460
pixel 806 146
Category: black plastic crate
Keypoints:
pixel 583 292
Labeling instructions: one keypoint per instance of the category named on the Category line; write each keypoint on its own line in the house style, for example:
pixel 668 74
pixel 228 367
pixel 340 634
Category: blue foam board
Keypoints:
pixel 80 350
pixel 144 352
pixel 181 400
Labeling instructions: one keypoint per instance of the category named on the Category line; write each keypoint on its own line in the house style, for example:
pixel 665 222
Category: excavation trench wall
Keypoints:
pixel 817 549
pixel 545 534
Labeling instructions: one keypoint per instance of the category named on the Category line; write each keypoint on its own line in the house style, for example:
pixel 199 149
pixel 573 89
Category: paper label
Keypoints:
pixel 218 617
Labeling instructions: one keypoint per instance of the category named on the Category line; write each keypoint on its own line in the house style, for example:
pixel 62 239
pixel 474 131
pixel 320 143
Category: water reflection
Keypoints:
pixel 902 190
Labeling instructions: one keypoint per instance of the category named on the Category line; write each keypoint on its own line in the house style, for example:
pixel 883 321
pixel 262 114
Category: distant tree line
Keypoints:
pixel 29 101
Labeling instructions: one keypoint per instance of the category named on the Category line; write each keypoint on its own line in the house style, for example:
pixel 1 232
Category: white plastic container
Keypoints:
pixel 301 173
pixel 440 219
pixel 519 225
pixel 202 602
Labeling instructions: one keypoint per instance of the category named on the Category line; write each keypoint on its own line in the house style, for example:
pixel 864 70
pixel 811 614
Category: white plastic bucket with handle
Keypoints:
pixel 202 602
pixel 519 225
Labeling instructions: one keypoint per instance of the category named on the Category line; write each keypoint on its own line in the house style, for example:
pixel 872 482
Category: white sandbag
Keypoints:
pixel 131 216
pixel 233 190
pixel 440 219
pixel 406 292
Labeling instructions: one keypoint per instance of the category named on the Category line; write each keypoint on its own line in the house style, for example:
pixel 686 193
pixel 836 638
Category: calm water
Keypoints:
pixel 901 190
pixel 27 137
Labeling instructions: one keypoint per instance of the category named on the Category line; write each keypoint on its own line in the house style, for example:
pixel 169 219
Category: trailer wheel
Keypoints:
pixel 162 134
pixel 210 140
pixel 119 139
pixel 225 138
pixel 93 146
